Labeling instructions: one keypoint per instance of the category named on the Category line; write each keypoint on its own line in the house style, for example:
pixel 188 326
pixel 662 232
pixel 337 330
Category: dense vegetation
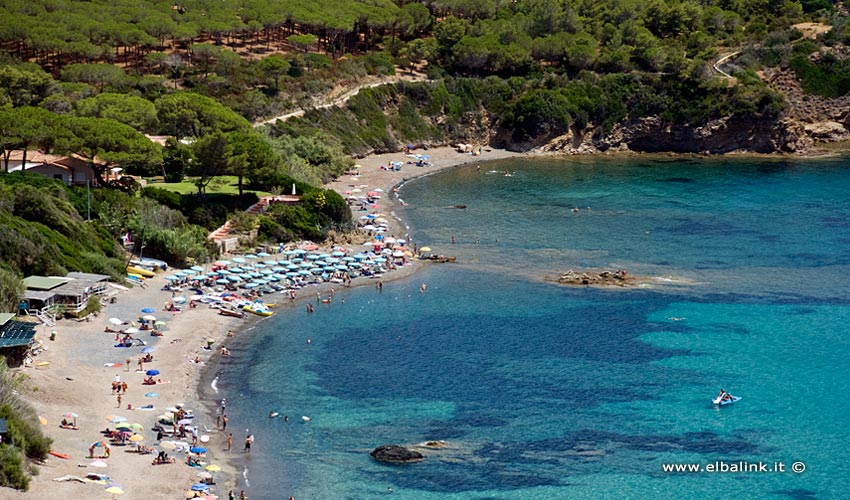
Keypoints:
pixel 25 439
pixel 91 79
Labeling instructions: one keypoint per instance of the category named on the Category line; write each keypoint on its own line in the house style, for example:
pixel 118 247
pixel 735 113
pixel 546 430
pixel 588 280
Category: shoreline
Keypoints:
pixel 77 377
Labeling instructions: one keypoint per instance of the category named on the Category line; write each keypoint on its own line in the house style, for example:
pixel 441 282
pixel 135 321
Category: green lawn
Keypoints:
pixel 225 184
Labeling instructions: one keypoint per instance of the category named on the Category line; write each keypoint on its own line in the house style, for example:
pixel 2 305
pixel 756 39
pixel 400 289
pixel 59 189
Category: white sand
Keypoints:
pixel 76 379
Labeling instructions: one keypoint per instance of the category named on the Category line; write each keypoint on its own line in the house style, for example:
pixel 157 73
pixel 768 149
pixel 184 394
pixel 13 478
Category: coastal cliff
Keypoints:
pixel 807 124
pixel 652 135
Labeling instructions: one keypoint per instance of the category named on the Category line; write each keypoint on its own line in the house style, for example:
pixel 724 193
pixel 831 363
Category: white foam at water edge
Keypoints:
pixel 245 477
pixel 214 385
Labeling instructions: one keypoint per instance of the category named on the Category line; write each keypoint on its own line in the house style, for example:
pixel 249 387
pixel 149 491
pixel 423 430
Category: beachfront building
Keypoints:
pixel 48 296
pixel 68 169
pixel 15 339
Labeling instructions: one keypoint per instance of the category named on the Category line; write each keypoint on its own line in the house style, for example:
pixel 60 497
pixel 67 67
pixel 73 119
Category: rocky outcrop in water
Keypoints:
pixel 395 454
pixel 603 278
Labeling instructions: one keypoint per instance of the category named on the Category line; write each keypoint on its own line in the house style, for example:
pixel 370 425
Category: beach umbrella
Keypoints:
pixel 425 249
pixel 159 323
pixel 172 278
pixel 137 427
pixel 116 321
pixel 223 272
pixel 122 425
pixel 197 449
pixel 250 256
pixel 147 310
pixel 238 260
pixel 213 468
pixel 115 490
pixel 149 317
pixel 200 487
pixel 70 414
pixel 259 265
pixel 204 475
pixel 263 254
pixel 136 438
pixel 221 282
pixel 147 350
pixel 98 463
pixel 167 445
pixel 220 263
pixel 197 268
pixel 115 419
pixel 234 279
pixel 152 372
pixel 131 330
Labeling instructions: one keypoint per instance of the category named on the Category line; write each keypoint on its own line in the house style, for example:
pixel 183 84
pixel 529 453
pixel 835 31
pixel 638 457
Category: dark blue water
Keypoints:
pixel 545 391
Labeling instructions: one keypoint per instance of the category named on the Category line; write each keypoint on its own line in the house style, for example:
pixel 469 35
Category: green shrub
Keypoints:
pixel 12 472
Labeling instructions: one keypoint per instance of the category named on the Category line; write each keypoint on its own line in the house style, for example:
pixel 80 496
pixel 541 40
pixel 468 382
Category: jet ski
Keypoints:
pixel 728 401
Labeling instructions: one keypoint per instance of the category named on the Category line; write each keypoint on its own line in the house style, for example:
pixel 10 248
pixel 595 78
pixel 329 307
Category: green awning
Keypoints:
pixel 44 282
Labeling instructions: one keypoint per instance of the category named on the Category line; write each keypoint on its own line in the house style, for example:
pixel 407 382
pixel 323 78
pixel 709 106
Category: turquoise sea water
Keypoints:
pixel 550 392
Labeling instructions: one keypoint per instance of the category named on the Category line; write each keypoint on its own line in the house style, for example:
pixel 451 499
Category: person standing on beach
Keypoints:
pixel 224 422
pixel 248 442
pixel 124 387
pixel 229 441
pixel 119 400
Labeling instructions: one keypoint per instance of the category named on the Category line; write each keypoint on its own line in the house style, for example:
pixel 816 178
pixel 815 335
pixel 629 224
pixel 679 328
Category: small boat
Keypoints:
pixel 257 307
pixel 140 271
pixel 721 402
pixel 231 312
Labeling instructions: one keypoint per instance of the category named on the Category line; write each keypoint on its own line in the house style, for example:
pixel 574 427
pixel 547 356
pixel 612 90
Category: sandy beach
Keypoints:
pixel 83 363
